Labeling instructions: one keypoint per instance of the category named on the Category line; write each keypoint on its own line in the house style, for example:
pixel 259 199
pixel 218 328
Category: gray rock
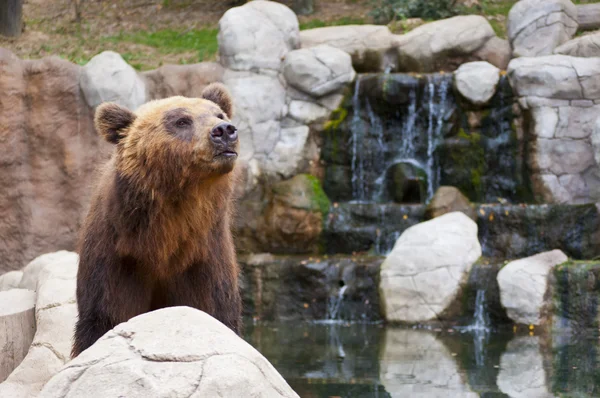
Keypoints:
pixel 556 76
pixel 427 268
pixel 32 270
pixel 17 327
pixel 477 81
pixel 55 317
pixel 257 36
pixel 308 112
pixel 371 46
pixel 318 71
pixel 596 141
pixel 10 280
pixel 496 51
pixel 585 46
pixel 429 47
pixel 175 351
pixel 537 27
pixel 107 77
pixel 523 284
pixel 522 373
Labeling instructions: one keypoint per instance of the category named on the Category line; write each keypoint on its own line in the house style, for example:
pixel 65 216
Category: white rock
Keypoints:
pixel 371 47
pixel 427 48
pixel 318 70
pixel 584 46
pixel 307 112
pixel 596 141
pixel 55 315
pixel 257 36
pixel 556 76
pixel 427 267
pixel 176 351
pixel 107 77
pixel 522 373
pixel 10 280
pixel 17 327
pixel 288 152
pixel 477 81
pixel 32 270
pixel 523 284
pixel 416 364
pixel 537 27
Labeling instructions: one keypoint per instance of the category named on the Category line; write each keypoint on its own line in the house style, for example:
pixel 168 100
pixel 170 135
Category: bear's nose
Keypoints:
pixel 224 132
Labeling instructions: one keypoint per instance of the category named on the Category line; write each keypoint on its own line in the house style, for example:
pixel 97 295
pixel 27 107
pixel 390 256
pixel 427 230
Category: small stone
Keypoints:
pixel 477 81
pixel 448 200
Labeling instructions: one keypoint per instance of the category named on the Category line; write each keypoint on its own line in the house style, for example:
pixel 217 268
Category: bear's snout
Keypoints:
pixel 224 133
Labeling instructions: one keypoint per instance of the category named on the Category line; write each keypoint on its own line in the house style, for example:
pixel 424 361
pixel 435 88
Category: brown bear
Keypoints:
pixel 158 230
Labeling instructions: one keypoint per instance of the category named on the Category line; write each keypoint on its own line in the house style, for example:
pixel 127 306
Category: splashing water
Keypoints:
pixel 334 304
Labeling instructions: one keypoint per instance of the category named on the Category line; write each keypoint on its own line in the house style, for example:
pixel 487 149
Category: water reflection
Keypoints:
pixel 370 360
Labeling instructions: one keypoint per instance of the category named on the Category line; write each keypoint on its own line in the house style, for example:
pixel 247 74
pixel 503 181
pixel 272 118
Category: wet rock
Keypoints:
pixel 427 269
pixel 292 288
pixel 17 326
pixel 370 46
pixel 522 373
pixel 537 27
pixel 185 80
pixel 50 153
pixel 168 352
pixel 257 36
pixel 448 200
pixel 293 219
pixel 406 183
pixel 477 81
pixel 523 284
pixel 584 46
pixel 517 231
pixel 10 280
pixel 444 44
pixel 107 77
pixel 55 317
pixel 319 70
pixel 415 363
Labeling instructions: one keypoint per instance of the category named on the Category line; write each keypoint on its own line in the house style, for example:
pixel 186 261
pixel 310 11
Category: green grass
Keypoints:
pixel 169 41
pixel 317 23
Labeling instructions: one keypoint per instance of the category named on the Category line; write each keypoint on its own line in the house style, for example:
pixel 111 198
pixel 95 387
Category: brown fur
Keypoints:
pixel 158 230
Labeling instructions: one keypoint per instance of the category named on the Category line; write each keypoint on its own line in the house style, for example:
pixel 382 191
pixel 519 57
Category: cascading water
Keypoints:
pixel 333 306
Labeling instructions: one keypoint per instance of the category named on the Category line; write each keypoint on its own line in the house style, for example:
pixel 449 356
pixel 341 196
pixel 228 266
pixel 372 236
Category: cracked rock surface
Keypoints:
pixel 522 373
pixel 172 352
pixel 537 27
pixel 586 46
pixel 428 267
pixel 523 284
pixel 55 316
pixel 417 364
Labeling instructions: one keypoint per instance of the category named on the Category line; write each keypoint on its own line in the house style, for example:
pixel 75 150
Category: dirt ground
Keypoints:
pixel 50 26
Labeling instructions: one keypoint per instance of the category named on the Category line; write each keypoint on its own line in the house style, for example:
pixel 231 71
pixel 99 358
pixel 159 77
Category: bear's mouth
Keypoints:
pixel 228 154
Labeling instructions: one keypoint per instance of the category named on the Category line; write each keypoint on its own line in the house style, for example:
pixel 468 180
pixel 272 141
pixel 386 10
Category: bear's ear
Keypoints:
pixel 218 93
pixel 112 120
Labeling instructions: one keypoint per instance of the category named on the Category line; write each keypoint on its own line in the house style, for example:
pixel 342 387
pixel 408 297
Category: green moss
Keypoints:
pixel 319 197
pixel 471 159
pixel 337 117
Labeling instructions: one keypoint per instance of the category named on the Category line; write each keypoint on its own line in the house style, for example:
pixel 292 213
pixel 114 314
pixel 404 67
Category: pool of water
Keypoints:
pixel 371 360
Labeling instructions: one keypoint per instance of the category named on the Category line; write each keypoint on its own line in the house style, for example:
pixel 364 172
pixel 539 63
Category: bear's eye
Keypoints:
pixel 183 122
pixel 221 116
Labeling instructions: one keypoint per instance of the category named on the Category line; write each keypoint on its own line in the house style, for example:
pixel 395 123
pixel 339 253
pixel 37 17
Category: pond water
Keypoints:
pixel 372 360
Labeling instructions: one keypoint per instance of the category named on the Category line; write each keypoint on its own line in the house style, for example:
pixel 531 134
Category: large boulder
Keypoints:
pixel 50 153
pixel 10 280
pixel 31 272
pixel 427 269
pixel 477 81
pixel 562 97
pixel 318 70
pixel 415 363
pixel 537 27
pixel 523 284
pixel 257 36
pixel 176 351
pixel 185 80
pixel 371 47
pixel 522 373
pixel 55 317
pixel 448 200
pixel 17 326
pixel 107 77
pixel 585 46
pixel 444 44
pixel 293 219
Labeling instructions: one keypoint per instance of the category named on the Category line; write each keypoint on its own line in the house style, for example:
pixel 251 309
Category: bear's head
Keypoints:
pixel 173 139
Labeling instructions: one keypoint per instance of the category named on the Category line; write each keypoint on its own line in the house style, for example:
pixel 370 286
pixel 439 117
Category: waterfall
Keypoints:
pixel 356 128
pixel 434 129
pixel 334 304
